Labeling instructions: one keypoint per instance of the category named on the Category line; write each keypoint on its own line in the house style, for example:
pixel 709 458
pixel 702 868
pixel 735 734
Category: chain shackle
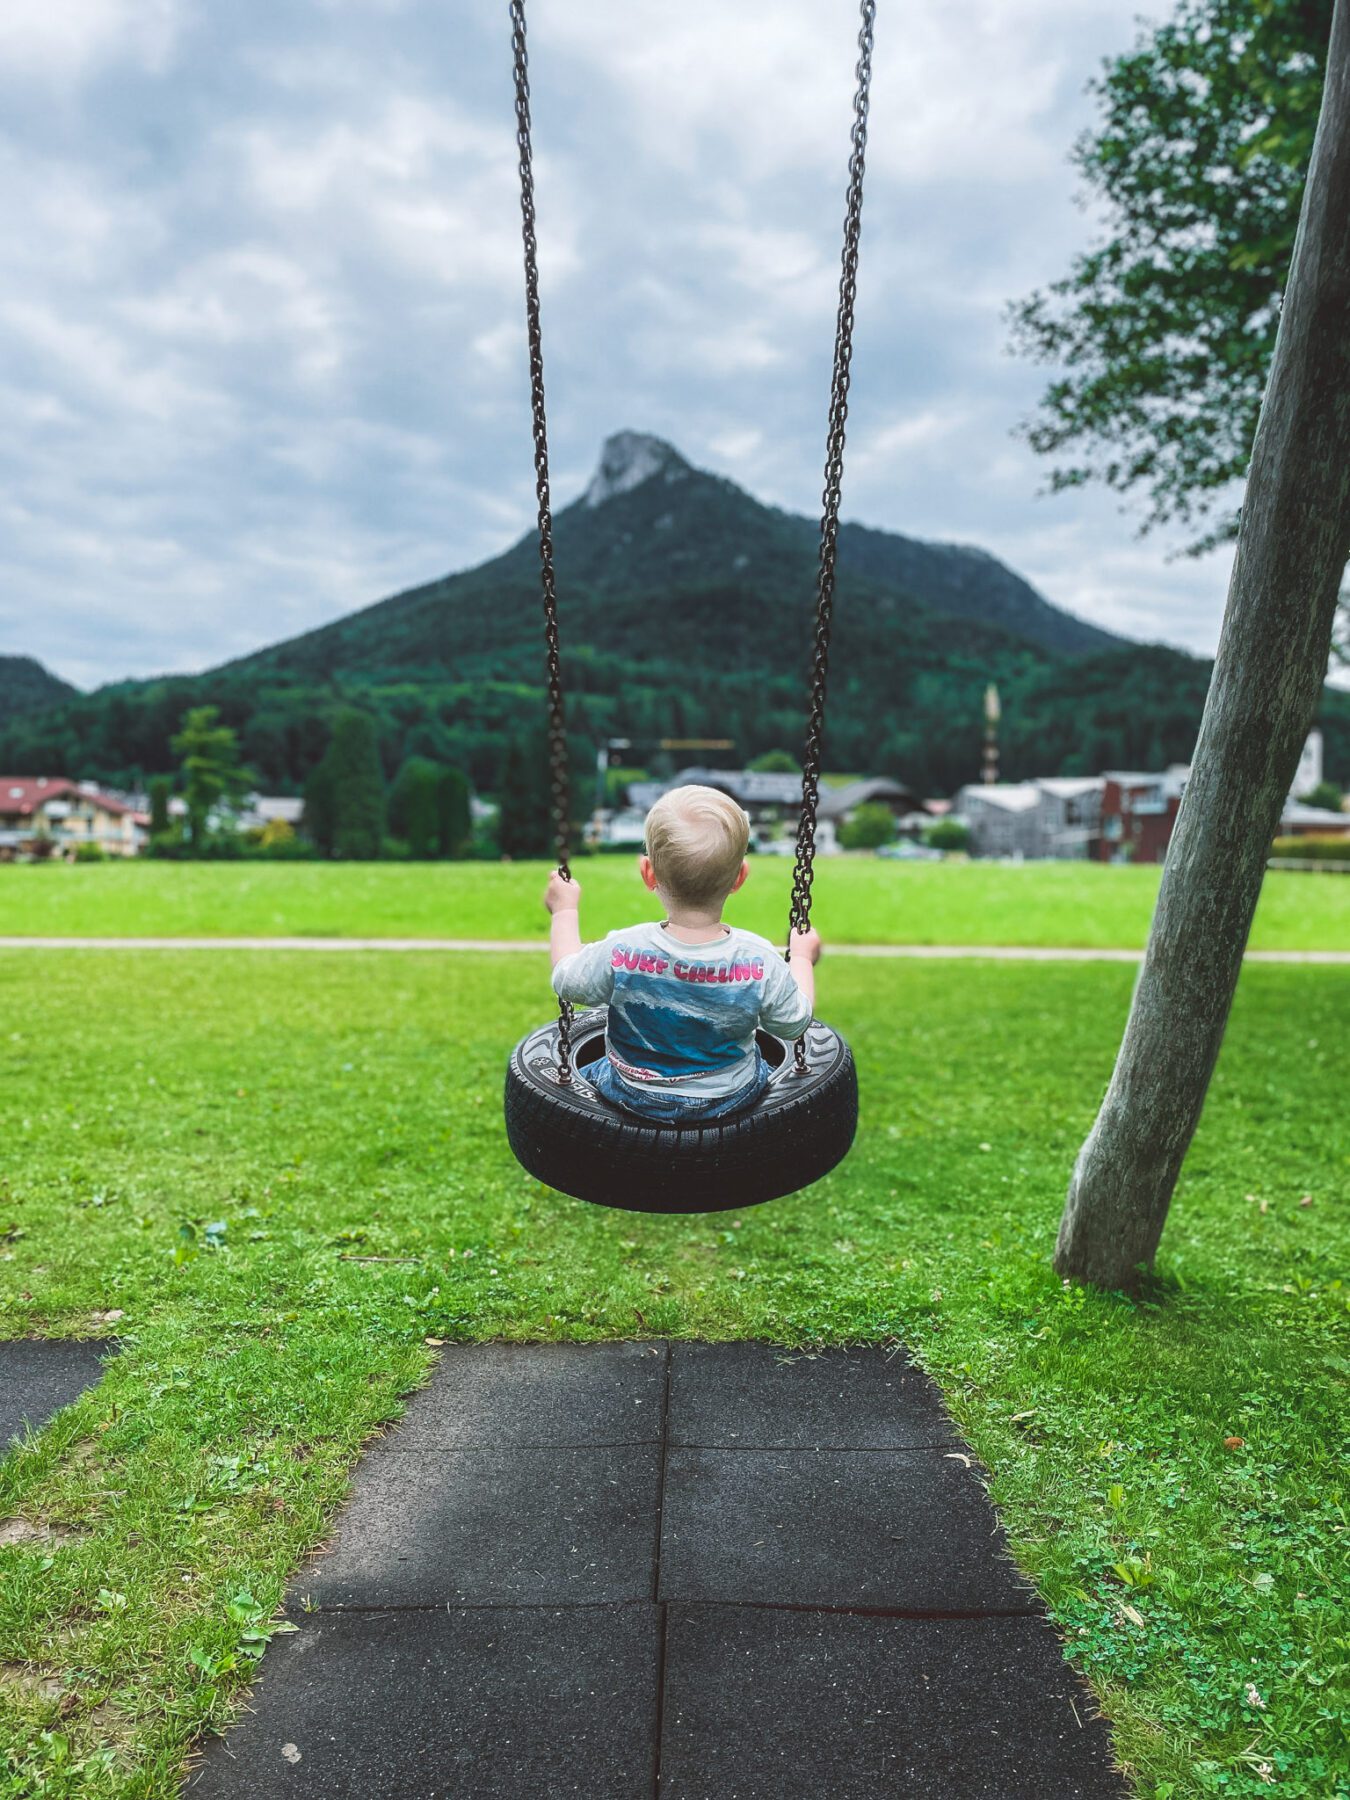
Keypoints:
pixel 560 797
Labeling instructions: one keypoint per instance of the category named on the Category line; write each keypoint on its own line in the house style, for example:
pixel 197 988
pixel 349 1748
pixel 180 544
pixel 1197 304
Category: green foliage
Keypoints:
pixel 618 781
pixel 319 819
pixel 1325 794
pixel 524 796
pixel 212 774
pixel 523 800
pixel 1167 327
pixel 1313 849
pixel 26 687
pixel 291 848
pixel 454 814
pixel 775 762
pixel 871 826
pixel 160 789
pixel 344 798
pixel 948 834
pixel 276 834
pixel 414 806
pixel 89 853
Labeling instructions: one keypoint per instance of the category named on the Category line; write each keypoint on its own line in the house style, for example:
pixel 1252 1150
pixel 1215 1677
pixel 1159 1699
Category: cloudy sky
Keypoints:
pixel 261 326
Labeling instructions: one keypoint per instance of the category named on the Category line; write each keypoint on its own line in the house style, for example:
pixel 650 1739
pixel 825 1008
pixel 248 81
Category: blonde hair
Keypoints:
pixel 696 838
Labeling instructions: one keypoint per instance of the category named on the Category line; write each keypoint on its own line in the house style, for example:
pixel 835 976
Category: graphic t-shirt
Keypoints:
pixel 684 1015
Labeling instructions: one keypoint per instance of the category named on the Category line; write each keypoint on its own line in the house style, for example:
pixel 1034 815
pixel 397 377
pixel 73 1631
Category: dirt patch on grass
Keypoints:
pixel 37 1531
pixel 29 1683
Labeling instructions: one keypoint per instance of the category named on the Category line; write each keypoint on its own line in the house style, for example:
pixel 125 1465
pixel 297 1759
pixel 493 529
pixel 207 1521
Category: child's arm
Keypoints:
pixel 563 900
pixel 790 988
pixel 583 975
pixel 803 954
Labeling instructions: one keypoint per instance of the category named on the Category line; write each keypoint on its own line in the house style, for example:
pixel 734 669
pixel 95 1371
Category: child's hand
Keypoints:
pixel 805 943
pixel 562 895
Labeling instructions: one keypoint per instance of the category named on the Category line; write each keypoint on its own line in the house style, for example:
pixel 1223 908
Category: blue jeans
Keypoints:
pixel 673 1108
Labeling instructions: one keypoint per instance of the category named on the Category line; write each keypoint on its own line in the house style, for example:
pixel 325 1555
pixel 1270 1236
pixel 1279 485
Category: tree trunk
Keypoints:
pixel 1291 552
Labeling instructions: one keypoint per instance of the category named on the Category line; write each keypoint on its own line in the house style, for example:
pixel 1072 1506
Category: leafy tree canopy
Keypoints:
pixel 947 834
pixel 1166 328
pixel 357 786
pixel 871 826
pixel 414 810
pixel 211 769
pixel 1326 794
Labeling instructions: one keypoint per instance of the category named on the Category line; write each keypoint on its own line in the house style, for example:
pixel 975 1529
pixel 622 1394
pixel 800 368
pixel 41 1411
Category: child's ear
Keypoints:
pixel 742 877
pixel 647 872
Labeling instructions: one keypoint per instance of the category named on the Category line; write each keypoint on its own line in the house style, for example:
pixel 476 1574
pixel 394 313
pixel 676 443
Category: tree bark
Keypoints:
pixel 1292 549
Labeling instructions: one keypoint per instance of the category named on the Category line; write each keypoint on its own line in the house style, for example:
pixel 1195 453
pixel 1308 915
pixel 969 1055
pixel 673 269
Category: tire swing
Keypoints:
pixel 558 1127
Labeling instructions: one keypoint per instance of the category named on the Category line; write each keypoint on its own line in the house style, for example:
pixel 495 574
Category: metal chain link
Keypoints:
pixel 559 775
pixel 799 918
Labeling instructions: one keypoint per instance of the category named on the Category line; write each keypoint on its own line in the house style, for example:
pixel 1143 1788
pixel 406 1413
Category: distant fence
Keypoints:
pixel 1310 864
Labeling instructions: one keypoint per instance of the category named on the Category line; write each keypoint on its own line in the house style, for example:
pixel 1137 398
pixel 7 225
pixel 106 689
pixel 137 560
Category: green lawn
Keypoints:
pixel 859 900
pixel 210 1147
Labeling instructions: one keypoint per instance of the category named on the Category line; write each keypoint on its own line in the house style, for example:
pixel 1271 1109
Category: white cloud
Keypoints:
pixel 262 349
pixel 66 40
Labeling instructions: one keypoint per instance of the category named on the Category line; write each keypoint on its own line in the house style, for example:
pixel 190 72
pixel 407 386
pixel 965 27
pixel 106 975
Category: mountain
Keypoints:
pixel 686 610
pixel 26 687
pixel 967 583
pixel 649 530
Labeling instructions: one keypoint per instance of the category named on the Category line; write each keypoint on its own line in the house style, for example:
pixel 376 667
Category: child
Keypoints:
pixel 686 996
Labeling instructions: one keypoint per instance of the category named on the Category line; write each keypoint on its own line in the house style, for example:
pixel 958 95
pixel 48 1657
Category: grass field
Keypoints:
pixel 281 1174
pixel 859 900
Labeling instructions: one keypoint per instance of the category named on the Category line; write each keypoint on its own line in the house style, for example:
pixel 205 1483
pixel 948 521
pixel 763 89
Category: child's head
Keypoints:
pixel 696 841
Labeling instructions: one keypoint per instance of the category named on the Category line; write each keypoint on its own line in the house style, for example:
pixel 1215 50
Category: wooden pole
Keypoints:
pixel 1292 550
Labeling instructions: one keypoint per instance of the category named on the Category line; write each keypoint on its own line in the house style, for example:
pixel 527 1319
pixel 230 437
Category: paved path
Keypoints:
pixel 535 947
pixel 708 1572
pixel 38 1376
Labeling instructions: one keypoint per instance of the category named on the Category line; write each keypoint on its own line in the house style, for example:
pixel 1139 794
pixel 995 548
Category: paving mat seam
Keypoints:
pixel 386 1447
pixel 381 1608
pixel 662 1615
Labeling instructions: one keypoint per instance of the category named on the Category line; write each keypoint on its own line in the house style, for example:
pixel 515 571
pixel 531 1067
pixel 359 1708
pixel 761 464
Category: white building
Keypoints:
pixel 260 810
pixel 1056 817
pixel 1309 772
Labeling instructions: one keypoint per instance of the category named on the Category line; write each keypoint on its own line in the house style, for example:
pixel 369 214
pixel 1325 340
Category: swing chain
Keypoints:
pixel 559 779
pixel 559 775
pixel 804 871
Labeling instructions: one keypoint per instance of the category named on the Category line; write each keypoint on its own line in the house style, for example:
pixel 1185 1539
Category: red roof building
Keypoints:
pixel 49 815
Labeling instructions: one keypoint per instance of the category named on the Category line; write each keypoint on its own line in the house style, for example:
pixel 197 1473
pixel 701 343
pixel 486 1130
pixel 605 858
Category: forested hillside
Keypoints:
pixel 26 687
pixel 686 611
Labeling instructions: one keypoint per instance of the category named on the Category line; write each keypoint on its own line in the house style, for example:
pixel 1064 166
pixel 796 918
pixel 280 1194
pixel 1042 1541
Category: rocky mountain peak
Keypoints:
pixel 629 458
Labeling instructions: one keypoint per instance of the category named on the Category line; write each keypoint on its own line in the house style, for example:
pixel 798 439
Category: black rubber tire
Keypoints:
pixel 570 1139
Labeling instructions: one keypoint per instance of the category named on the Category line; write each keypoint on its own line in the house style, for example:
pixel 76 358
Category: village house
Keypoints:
pixel 1139 810
pixel 258 811
pixel 47 815
pixel 773 802
pixel 839 804
pixel 1300 820
pixel 1058 817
